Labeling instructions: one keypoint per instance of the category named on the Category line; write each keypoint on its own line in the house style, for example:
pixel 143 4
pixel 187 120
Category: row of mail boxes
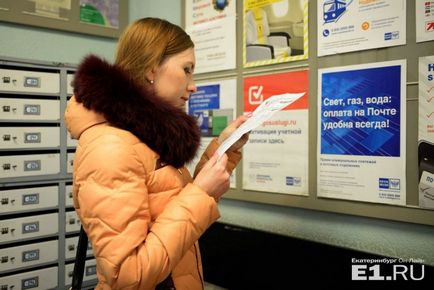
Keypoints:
pixel 26 137
pixel 36 226
pixel 47 278
pixel 33 165
pixel 36 254
pixel 33 198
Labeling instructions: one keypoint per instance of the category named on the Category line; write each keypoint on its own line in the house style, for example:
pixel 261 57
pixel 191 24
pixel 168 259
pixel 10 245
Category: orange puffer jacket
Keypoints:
pixel 143 216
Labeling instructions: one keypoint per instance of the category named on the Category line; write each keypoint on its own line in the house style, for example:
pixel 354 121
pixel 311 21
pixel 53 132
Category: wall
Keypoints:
pixel 376 236
pixel 27 42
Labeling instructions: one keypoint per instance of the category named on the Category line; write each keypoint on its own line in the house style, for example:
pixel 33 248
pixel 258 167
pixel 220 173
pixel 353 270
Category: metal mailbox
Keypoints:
pixel 24 199
pixel 29 137
pixel 72 223
pixel 15 229
pixel 70 162
pixel 29 165
pixel 69 202
pixel 29 81
pixel 14 258
pixel 71 248
pixel 29 109
pixel 35 280
pixel 89 271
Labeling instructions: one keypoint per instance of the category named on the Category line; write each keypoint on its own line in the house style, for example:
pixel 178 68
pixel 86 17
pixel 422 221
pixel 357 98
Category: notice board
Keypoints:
pixel 401 49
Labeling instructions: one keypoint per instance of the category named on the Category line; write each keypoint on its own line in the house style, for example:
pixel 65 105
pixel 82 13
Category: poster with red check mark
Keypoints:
pixel 276 157
pixel 426 132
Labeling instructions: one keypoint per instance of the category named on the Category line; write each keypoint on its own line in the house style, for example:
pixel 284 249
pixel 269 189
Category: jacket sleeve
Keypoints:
pixel 233 157
pixel 113 203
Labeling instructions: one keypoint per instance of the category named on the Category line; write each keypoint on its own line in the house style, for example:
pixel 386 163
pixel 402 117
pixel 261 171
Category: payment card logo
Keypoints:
pixel 389 183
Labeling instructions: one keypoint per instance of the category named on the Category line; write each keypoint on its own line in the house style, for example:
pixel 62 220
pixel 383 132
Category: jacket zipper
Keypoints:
pixel 197 265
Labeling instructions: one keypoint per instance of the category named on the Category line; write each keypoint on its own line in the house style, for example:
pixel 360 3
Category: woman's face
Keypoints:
pixel 173 79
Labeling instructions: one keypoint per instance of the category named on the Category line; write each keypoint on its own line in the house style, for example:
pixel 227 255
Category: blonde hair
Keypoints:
pixel 146 43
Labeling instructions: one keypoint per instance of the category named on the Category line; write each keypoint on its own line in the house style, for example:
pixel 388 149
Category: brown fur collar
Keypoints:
pixel 109 90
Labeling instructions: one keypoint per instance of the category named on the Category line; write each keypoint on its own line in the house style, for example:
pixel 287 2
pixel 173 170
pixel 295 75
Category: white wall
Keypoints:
pixel 33 43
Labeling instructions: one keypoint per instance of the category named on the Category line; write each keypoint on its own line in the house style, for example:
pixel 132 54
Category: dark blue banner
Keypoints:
pixel 361 113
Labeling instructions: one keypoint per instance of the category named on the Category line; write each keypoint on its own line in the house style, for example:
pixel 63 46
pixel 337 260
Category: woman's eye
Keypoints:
pixel 188 70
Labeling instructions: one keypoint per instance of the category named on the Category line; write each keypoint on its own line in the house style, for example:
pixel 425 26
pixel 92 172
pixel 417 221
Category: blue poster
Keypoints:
pixel 361 112
pixel 200 104
pixel 362 132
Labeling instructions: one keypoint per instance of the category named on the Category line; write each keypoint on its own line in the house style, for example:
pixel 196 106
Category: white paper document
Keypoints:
pixel 262 113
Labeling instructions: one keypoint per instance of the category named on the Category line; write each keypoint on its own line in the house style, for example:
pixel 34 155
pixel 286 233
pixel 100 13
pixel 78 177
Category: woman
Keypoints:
pixel 138 204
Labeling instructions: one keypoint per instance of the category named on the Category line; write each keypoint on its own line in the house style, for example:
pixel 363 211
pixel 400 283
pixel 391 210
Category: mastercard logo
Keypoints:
pixel 365 25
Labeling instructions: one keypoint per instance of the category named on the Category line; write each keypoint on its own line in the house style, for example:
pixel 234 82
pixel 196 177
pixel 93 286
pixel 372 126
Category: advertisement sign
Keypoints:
pixel 426 132
pixel 276 155
pixel 362 117
pixel 212 27
pixel 275 31
pixel 348 25
pixel 214 107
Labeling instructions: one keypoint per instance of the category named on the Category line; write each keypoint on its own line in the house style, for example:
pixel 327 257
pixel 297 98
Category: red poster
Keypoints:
pixel 259 88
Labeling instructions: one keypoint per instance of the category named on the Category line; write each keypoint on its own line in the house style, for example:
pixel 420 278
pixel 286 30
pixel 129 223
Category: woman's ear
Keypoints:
pixel 150 75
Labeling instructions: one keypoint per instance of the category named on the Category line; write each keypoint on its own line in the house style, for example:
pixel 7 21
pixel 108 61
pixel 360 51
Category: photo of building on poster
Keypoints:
pixel 349 25
pixel 361 132
pixel 275 31
pixel 424 20
pixel 426 132
pixel 212 27
pixel 214 107
pixel 275 159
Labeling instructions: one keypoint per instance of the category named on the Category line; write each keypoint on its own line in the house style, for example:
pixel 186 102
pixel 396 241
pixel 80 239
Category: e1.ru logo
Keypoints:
pixel 398 272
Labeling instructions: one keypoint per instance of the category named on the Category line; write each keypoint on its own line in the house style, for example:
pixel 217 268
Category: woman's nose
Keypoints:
pixel 192 87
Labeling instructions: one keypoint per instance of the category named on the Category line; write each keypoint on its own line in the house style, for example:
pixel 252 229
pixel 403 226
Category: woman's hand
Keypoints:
pixel 230 129
pixel 213 177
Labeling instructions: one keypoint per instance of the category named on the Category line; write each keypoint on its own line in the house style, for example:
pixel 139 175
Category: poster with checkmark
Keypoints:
pixel 426 132
pixel 275 159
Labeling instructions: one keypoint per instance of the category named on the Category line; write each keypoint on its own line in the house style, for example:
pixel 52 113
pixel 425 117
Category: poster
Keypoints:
pixel 275 31
pixel 100 12
pixel 348 25
pixel 424 20
pixel 426 132
pixel 275 159
pixel 362 121
pixel 212 27
pixel 214 107
pixel 56 9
